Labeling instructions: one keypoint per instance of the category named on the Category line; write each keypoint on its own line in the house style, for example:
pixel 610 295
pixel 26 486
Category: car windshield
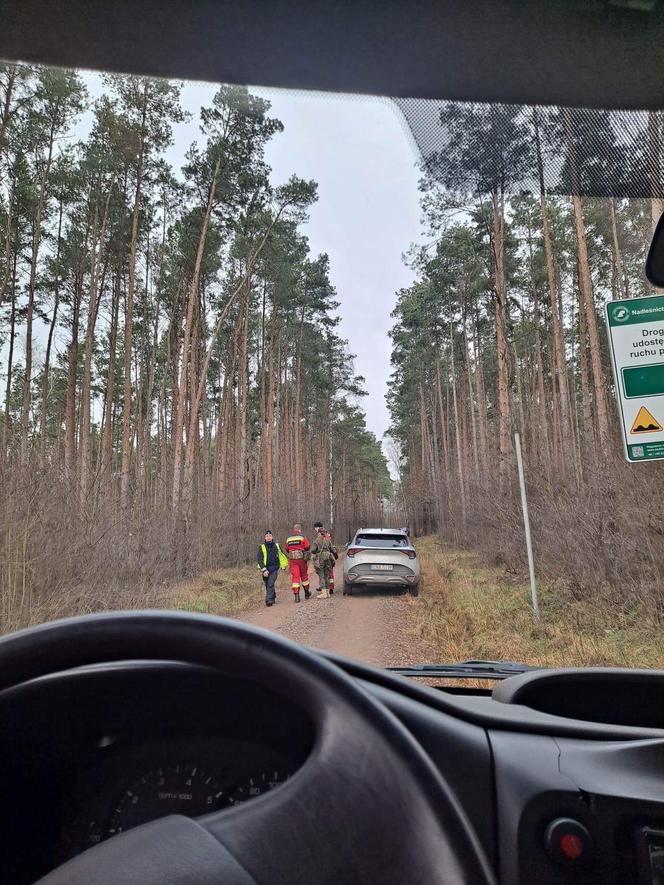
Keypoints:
pixel 382 540
pixel 238 324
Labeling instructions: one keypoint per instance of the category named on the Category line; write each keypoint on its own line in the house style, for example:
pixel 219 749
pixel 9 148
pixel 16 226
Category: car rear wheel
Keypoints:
pixel 348 589
pixel 414 589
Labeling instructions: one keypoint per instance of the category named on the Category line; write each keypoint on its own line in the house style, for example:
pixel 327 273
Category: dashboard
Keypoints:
pixel 106 749
pixel 552 798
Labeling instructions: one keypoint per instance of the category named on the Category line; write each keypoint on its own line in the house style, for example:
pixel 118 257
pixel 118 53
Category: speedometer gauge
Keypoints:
pixel 255 786
pixel 178 788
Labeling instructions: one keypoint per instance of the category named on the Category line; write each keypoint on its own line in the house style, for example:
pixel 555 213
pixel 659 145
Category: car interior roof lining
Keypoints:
pixel 593 53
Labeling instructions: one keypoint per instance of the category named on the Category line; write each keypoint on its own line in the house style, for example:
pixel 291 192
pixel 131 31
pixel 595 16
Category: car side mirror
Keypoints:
pixel 655 259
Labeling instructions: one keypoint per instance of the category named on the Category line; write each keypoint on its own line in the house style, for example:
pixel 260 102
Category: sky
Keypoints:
pixel 359 151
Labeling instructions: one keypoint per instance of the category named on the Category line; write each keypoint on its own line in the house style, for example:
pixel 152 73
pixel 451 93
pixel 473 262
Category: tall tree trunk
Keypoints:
pixel 588 430
pixel 36 243
pixel 286 449
pixel 655 171
pixel 297 419
pixel 191 299
pixel 463 407
pixel 72 368
pixel 146 441
pixel 192 426
pixel 4 282
pixel 150 483
pixel 557 447
pixel 519 392
pixel 85 461
pixel 473 417
pixel 243 399
pixel 269 442
pixel 262 406
pixel 543 422
pixel 222 443
pixel 6 114
pixel 441 418
pixel 129 311
pixel 500 308
pixel 561 387
pixel 457 435
pixel 106 470
pixel 616 257
pixel 6 424
pixel 72 371
pixel 471 397
pixel 49 343
pixel 244 285
pixel 542 429
pixel 654 167
pixel 278 411
pixel 481 398
pixel 586 290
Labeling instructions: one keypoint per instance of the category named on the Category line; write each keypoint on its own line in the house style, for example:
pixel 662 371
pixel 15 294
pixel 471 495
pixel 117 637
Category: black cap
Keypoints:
pixel 269 532
pixel 318 525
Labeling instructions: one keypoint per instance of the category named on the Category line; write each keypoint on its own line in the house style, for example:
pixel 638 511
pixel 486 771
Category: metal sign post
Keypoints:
pixel 636 337
pixel 526 525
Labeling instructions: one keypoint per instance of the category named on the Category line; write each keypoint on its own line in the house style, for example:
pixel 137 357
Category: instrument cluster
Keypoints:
pixel 131 785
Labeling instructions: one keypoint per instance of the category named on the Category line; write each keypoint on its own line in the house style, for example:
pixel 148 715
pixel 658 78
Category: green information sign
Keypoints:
pixel 644 381
pixel 646 452
pixel 636 338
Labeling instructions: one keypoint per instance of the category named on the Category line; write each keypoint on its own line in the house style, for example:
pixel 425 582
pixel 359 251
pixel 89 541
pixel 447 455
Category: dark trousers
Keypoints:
pixel 270 581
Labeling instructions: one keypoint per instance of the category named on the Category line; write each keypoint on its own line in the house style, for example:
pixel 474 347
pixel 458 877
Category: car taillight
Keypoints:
pixel 352 551
pixel 411 554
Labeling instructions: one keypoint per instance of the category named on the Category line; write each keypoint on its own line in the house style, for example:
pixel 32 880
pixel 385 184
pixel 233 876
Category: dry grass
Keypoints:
pixel 469 608
pixel 220 592
pixel 225 592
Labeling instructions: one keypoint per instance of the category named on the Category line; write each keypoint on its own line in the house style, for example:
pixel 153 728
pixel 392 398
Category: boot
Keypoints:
pixel 297 596
pixel 307 593
pixel 324 594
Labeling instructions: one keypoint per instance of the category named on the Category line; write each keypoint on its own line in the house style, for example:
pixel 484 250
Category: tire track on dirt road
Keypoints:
pixel 372 625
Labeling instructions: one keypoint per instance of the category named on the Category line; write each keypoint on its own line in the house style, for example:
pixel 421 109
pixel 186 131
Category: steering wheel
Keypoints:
pixel 367 806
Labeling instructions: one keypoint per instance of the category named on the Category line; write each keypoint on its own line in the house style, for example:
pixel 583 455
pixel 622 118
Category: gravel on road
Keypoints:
pixel 371 625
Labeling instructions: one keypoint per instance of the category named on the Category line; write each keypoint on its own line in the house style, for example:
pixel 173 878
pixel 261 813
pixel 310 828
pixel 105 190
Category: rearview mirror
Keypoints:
pixel 655 259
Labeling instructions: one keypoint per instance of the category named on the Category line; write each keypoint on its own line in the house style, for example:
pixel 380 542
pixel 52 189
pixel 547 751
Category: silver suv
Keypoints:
pixel 381 557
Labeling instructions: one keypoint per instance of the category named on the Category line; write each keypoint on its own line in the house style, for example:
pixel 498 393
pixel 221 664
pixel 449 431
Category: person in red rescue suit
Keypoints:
pixel 297 549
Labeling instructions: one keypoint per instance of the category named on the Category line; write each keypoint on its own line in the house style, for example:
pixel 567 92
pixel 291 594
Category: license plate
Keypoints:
pixel 382 568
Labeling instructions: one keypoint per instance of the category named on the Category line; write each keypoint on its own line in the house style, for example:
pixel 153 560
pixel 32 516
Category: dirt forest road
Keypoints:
pixel 371 625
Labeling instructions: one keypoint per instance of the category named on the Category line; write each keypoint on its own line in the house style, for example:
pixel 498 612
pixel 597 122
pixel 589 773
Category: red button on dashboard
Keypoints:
pixel 568 842
pixel 571 846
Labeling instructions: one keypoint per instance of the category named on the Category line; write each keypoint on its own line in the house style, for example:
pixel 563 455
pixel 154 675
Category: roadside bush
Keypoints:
pixel 602 537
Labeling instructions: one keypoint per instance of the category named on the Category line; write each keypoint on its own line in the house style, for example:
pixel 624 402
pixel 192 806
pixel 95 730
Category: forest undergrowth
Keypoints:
pixel 472 607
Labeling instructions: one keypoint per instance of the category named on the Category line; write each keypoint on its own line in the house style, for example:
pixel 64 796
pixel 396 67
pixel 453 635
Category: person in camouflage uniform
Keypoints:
pixel 323 560
pixel 335 554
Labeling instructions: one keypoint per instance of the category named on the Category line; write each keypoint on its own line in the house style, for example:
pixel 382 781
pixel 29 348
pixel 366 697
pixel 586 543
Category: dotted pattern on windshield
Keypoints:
pixel 480 148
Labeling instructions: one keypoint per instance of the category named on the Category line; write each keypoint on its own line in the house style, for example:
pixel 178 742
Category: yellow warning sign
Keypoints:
pixel 645 422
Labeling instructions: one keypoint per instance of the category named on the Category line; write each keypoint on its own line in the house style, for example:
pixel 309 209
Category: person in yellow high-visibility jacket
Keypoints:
pixel 270 558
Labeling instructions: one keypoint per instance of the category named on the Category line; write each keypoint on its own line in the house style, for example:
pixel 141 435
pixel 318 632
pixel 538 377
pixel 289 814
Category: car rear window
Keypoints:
pixel 369 540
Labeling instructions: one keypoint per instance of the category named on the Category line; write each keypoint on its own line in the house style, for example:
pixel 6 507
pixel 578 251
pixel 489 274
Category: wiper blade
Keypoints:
pixel 466 670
